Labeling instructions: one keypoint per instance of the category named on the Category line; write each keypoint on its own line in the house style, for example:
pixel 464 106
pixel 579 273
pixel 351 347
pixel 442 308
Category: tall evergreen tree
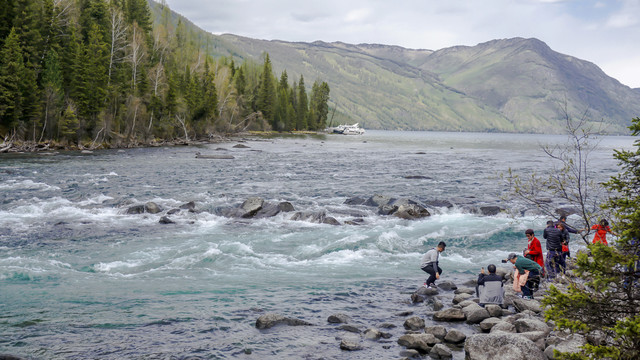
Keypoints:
pixel 7 16
pixel 11 71
pixel 93 79
pixel 267 92
pixel 319 105
pixel 303 107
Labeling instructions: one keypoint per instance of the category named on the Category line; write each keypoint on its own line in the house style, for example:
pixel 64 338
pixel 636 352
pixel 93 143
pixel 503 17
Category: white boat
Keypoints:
pixel 348 129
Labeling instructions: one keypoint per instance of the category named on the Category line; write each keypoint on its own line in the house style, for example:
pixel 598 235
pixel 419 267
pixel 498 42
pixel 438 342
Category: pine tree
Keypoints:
pixel 267 92
pixel 7 16
pixel 319 105
pixel 93 79
pixel 69 124
pixel 11 72
pixel 303 108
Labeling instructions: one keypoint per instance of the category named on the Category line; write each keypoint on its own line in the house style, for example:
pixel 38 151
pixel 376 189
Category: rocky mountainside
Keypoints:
pixel 507 85
pixel 510 85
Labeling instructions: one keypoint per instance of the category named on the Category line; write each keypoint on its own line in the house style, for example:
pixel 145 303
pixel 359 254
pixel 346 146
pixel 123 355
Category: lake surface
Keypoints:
pixel 81 279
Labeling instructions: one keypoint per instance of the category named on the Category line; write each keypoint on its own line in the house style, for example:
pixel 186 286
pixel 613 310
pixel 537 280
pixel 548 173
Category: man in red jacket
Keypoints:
pixel 534 249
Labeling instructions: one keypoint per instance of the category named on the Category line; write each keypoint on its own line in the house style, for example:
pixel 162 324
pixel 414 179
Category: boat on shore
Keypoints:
pixel 354 129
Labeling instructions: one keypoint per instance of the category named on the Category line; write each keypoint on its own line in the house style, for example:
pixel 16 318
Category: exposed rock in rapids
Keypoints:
pixel 269 320
pixel 137 209
pixel 350 345
pixel 152 208
pixel 339 318
pixel 411 212
pixel 166 220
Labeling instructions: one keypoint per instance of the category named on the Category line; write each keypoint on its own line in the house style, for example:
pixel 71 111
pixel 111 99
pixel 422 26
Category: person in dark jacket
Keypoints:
pixel 555 237
pixel 490 287
pixel 568 230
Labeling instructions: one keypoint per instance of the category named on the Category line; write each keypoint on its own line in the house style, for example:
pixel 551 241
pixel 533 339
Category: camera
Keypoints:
pixel 504 261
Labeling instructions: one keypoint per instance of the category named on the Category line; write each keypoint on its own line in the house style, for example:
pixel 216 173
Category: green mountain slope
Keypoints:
pixel 509 85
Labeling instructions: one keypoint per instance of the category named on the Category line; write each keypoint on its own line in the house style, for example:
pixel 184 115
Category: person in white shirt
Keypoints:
pixel 430 264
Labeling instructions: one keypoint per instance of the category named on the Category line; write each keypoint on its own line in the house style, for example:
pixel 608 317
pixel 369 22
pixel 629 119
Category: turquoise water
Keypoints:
pixel 79 278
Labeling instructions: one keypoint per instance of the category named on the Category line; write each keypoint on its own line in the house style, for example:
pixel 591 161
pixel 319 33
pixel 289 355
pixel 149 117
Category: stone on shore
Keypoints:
pixel 455 336
pixel 571 344
pixel 440 351
pixel 494 310
pixel 438 331
pixel 501 346
pixel 414 323
pixel 420 342
pixel 526 325
pixel 465 290
pixel 525 304
pixel 447 285
pixel 475 313
pixel 461 297
pixel 270 320
pixel 487 324
pixel 450 314
pixel 503 326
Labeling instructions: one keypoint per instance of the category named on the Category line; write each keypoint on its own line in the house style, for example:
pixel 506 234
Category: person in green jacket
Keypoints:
pixel 522 263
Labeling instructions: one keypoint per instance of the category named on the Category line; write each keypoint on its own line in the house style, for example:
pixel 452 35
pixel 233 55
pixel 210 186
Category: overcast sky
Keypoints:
pixel 605 32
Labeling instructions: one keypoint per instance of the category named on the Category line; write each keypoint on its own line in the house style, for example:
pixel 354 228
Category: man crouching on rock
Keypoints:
pixel 430 264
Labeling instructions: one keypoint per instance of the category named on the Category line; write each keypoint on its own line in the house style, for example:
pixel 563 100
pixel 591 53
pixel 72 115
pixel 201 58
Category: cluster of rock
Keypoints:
pixel 516 330
pixel 153 208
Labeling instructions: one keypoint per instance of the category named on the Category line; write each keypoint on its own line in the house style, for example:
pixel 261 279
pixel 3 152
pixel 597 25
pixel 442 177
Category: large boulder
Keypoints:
pixel 503 326
pixel 450 314
pixel 270 320
pixel 526 304
pixel 455 336
pixel 532 324
pixel 501 346
pixel 461 297
pixel 251 206
pixel 447 285
pixel 475 313
pixel 378 200
pixel 136 209
pixel 420 342
pixel 411 212
pixel 152 208
pixel 487 324
pixel 572 344
pixel 440 351
pixel 271 209
pixel 494 310
pixel 490 210
pixel 414 323
pixel 438 331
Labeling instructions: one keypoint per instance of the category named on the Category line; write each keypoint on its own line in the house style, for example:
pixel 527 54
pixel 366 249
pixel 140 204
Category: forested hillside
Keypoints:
pixel 104 73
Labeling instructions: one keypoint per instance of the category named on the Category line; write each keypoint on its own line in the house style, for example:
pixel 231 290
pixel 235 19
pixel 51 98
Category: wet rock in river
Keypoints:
pixel 270 320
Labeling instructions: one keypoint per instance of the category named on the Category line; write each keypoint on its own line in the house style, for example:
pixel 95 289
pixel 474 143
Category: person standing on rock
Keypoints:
pixel 522 264
pixel 430 264
pixel 602 229
pixel 534 249
pixel 555 237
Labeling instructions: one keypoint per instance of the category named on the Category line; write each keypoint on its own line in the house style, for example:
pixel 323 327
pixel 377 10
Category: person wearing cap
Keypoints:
pixel 430 264
pixel 522 264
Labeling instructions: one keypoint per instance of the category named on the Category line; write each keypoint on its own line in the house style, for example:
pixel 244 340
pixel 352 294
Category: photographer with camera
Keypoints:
pixel 527 277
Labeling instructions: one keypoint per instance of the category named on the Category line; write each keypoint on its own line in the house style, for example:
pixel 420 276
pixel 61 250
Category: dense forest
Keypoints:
pixel 100 73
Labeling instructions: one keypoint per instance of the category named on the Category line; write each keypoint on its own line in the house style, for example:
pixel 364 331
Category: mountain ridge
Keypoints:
pixel 502 85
